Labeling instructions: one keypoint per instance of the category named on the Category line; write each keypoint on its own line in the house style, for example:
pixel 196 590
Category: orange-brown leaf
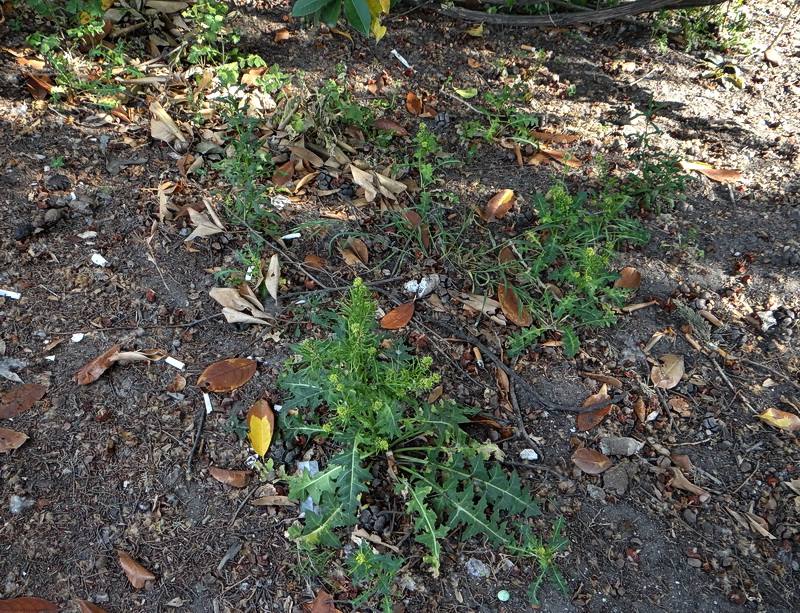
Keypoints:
pixel 323 603
pixel 355 252
pixel 387 125
pixel 28 605
pixel 590 461
pixel 260 426
pixel 399 317
pixel 11 439
pixel 227 375
pixel 500 204
pixel 630 278
pixel 315 261
pixel 415 221
pixel 21 399
pixel 589 419
pixel 93 370
pixel 137 574
pixel 234 478
pixel 513 309
pixel 283 174
pixel 90 607
pixel 721 175
pixel 413 103
pixel 607 379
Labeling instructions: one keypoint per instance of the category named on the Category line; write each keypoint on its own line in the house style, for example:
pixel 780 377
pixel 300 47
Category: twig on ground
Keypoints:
pixel 153 327
pixel 197 436
pixel 241 506
pixel 512 395
pixel 770 370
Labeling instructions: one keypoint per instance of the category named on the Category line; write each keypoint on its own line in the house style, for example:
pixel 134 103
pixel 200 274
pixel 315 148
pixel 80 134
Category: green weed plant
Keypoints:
pixel 360 391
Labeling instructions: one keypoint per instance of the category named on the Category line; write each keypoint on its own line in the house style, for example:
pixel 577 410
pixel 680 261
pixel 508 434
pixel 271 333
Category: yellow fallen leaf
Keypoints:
pixel 261 425
pixel 477 31
pixel 781 419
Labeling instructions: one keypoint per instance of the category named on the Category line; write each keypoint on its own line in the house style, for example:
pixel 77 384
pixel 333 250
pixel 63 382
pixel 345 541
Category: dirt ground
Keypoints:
pixel 106 466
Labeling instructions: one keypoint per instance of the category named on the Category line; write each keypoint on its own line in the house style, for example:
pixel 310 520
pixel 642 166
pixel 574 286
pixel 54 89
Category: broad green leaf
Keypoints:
pixel 470 92
pixel 305 485
pixel 352 478
pixel 428 533
pixel 330 13
pixel 358 15
pixel 571 342
pixel 309 7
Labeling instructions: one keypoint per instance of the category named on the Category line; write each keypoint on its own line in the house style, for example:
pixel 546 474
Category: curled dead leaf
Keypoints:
pixel 137 574
pixel 227 375
pixel 590 461
pixel 679 481
pixel 283 174
pixel 721 175
pixel 629 278
pixel 273 278
pixel 92 371
pixel 499 204
pixel 589 419
pixel 89 607
pixel 234 478
pixel 315 261
pixel 398 317
pixel 354 252
pixel 21 399
pixel 413 103
pixel 512 307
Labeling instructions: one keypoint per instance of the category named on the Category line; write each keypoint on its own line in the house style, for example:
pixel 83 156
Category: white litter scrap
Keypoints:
pixel 77 337
pixel 99 260
pixel 529 454
pixel 400 58
pixel 175 363
pixel 7 293
pixel 207 401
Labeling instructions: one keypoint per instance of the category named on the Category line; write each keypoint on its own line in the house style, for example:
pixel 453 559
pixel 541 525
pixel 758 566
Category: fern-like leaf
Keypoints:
pixel 316 486
pixel 351 480
pixel 319 528
pixel 428 533
pixel 466 511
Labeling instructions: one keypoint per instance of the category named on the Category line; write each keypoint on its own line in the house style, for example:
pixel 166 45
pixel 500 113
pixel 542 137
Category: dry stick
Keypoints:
pixel 241 506
pixel 783 27
pixel 512 395
pixel 197 437
pixel 153 327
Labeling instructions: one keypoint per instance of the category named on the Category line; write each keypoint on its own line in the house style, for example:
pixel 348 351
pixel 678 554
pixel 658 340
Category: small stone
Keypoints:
pixel 620 445
pixel 689 516
pixel 694 562
pixel 58 183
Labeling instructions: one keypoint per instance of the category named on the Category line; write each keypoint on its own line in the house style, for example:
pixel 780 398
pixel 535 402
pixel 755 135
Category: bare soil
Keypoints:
pixel 107 466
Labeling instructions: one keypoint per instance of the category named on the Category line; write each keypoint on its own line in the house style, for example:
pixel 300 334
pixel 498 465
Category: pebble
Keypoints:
pixel 689 516
pixel 694 562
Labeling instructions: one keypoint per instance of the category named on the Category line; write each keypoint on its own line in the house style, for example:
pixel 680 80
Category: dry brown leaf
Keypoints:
pixel 364 179
pixel 147 355
pixel 562 157
pixel 137 574
pixel 499 204
pixel 92 371
pixel 355 252
pixel 204 226
pixel 231 298
pixel 721 175
pixel 307 156
pixel 234 478
pixel 482 304
pixel 162 126
pixel 389 187
pixel 178 384
pixel 415 222
pixel 680 406
pixel 236 317
pixel 398 317
pixel 39 86
pixel 227 375
pixel 413 103
pixel 273 278
pixel 589 419
pixel 315 261
pixel 21 399
pixel 11 440
pixel 488 422
pixel 428 112
pixel 669 373
pixel 387 125
pixel 630 278
pixel 789 422
pixel 281 35
pixel 323 603
pixel 681 461
pixel 759 524
pixel 283 174
pixel 28 605
pixel 89 607
pixel 607 379
pixel 273 501
pixel 590 461
pixel 549 137
pixel 640 409
pixel 679 481
pixel 435 394
pixel 513 309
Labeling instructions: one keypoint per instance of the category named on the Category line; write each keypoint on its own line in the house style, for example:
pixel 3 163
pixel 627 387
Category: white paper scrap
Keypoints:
pixel 174 363
pixel 207 400
pixel 7 293
pixel 99 260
